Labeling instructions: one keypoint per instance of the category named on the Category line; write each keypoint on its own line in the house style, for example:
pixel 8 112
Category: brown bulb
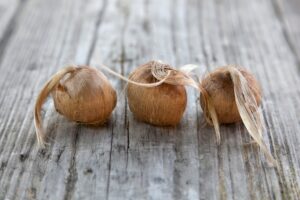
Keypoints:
pixel 85 96
pixel 81 94
pixel 161 105
pixel 219 86
pixel 229 95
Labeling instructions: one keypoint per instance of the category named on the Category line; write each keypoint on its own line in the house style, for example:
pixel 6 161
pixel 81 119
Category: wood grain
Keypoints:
pixel 128 159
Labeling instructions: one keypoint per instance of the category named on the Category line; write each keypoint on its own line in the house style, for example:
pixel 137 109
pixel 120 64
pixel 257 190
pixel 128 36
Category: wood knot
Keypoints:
pixel 23 157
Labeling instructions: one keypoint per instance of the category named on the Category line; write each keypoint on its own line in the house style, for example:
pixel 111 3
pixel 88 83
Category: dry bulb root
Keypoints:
pixel 82 94
pixel 230 95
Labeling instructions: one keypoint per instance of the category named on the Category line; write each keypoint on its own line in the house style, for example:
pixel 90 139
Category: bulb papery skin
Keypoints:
pixel 219 87
pixel 85 96
pixel 161 105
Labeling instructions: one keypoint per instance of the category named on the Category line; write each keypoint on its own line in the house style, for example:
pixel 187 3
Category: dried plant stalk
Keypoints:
pixel 163 73
pixel 48 87
pixel 210 113
pixel 249 111
pixel 134 82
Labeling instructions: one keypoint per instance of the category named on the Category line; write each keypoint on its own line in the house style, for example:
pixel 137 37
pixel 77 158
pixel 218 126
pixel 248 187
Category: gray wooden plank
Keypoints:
pixel 84 144
pixel 253 45
pixel 223 165
pixel 153 162
pixel 25 172
pixel 94 172
pixel 10 12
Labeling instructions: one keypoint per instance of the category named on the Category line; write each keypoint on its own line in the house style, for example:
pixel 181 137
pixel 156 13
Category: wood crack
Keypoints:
pixel 60 152
pixel 126 121
pixel 72 177
pixel 122 61
pixel 109 163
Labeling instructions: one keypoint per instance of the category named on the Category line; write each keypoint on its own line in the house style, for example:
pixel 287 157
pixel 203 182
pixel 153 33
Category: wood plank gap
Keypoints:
pixel 109 162
pixel 72 177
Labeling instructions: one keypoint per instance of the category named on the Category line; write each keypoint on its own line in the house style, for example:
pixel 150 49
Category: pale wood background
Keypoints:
pixel 127 159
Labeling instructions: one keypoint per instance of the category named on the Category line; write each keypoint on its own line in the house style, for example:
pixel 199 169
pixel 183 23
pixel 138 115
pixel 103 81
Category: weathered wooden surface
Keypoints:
pixel 127 159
